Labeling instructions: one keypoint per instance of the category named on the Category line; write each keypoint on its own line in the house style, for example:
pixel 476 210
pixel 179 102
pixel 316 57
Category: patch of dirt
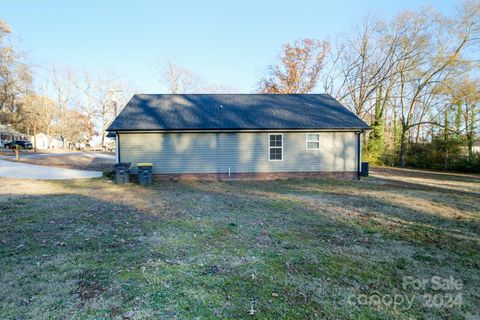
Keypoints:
pixel 211 270
pixel 88 288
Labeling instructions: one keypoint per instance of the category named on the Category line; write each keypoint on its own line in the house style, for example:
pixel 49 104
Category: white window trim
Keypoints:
pixel 268 145
pixel 306 141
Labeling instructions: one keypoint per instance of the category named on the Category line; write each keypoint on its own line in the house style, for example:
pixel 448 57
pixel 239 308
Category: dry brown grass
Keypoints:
pixel 291 249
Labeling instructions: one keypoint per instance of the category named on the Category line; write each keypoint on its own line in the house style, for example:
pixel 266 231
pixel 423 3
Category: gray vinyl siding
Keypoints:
pixel 241 152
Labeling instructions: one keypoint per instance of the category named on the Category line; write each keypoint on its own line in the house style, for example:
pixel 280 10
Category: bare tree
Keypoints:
pixel 465 94
pixel 63 85
pixel 97 103
pixel 39 112
pixel 391 74
pixel 298 68
pixel 4 28
pixel 47 110
pixel 181 80
pixel 86 101
pixel 178 79
pixel 77 130
pixel 15 75
pixel 430 53
pixel 365 61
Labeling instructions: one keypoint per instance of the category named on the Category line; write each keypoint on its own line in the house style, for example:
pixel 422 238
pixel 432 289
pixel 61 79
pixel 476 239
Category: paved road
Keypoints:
pixel 30 171
pixel 62 154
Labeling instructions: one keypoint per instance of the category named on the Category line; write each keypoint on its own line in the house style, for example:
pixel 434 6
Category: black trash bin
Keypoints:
pixel 144 173
pixel 122 173
pixel 364 169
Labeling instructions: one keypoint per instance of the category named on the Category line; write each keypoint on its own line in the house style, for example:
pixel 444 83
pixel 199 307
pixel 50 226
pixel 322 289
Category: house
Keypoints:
pixel 45 141
pixel 8 134
pixel 239 135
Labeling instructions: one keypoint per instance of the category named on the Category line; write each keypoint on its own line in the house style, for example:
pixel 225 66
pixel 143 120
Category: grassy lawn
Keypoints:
pixel 89 249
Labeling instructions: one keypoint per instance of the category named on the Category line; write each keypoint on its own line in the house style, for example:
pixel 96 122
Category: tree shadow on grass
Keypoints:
pixel 346 219
pixel 81 256
pixel 60 251
pixel 448 183
pixel 427 187
pixel 429 174
pixel 317 233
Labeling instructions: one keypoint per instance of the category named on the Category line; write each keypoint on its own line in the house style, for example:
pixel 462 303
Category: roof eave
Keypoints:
pixel 240 129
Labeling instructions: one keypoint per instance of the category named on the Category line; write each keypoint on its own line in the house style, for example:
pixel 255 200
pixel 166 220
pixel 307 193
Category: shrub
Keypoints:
pixel 109 173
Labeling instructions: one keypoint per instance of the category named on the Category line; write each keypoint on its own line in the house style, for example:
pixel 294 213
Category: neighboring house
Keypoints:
pixel 8 134
pixel 47 142
pixel 240 135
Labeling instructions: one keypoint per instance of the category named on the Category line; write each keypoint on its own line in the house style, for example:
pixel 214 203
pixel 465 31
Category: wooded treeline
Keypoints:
pixel 59 101
pixel 415 80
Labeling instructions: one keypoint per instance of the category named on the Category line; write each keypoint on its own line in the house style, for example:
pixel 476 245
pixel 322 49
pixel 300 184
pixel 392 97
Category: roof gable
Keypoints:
pixel 164 112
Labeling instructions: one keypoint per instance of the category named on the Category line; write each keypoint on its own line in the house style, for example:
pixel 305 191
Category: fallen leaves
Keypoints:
pixel 251 311
pixel 128 315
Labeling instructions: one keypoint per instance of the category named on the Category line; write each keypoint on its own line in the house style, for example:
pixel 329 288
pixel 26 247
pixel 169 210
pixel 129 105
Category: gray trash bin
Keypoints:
pixel 144 173
pixel 122 173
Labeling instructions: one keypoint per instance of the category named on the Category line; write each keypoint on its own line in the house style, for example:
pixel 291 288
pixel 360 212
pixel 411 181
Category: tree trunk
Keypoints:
pixel 470 143
pixel 35 149
pixel 445 163
pixel 417 137
pixel 395 141
pixel 403 147
pixel 49 139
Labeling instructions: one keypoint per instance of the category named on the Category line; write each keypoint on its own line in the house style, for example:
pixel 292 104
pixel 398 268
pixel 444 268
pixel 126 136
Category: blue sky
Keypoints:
pixel 228 43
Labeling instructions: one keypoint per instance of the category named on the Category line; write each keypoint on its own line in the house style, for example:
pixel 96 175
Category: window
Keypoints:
pixel 275 147
pixel 313 141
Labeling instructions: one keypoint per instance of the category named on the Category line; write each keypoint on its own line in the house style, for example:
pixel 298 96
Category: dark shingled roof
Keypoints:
pixel 234 112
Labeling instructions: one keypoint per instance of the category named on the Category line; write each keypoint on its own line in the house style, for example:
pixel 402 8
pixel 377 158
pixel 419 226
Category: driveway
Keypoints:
pixel 29 171
pixel 61 154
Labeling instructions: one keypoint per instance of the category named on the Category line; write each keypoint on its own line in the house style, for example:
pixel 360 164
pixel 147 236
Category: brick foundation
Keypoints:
pixel 257 176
